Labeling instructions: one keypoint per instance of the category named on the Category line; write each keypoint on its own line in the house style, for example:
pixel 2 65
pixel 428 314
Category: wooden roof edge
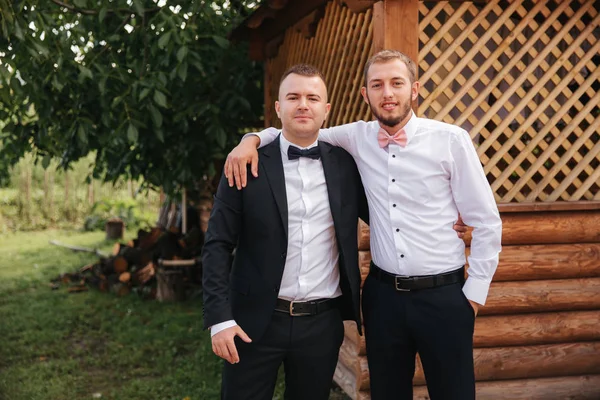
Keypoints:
pixel 550 206
pixel 273 17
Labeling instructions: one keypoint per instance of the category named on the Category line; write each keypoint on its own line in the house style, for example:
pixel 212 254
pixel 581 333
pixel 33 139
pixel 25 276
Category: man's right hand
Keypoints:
pixel 243 154
pixel 223 344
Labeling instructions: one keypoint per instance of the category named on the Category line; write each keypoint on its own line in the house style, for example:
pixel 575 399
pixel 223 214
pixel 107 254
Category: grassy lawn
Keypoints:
pixel 55 345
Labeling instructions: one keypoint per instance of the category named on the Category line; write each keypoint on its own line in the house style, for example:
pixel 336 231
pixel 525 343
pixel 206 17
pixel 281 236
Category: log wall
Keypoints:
pixel 538 337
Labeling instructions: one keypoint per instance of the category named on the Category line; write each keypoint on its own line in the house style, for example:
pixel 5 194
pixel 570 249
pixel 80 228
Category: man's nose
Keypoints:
pixel 387 91
pixel 303 104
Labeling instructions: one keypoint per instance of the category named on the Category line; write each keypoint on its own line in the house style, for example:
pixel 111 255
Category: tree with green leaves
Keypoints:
pixel 152 87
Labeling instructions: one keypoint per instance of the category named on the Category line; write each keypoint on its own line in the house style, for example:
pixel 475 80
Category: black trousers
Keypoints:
pixel 308 347
pixel 437 323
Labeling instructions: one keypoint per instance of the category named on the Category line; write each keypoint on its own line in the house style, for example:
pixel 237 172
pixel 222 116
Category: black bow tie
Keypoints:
pixel 294 153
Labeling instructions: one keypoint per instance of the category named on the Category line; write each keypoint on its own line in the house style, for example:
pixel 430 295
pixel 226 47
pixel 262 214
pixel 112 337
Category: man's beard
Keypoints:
pixel 392 121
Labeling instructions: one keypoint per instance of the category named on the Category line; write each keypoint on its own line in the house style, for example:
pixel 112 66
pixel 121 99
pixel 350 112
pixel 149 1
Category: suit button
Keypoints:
pixel 283 255
pixel 276 289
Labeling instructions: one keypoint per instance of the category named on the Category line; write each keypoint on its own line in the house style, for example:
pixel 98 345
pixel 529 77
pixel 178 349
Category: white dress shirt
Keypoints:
pixel 311 266
pixel 415 194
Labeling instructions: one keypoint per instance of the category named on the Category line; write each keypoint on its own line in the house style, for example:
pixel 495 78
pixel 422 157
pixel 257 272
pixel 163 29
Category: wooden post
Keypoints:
pixel 396 27
pixel 114 229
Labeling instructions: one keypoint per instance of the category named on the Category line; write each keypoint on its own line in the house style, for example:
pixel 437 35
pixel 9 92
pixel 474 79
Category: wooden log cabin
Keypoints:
pixel 523 77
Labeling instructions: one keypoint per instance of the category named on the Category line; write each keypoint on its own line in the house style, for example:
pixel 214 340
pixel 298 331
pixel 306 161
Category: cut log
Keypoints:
pixel 170 286
pixel 542 296
pixel 533 329
pixel 115 228
pixel 345 379
pixel 353 338
pixel 143 275
pixel 585 387
pixel 77 289
pixel 125 277
pixel 358 365
pixel 119 264
pixel 148 241
pixel 363 236
pixel 364 263
pixel 120 289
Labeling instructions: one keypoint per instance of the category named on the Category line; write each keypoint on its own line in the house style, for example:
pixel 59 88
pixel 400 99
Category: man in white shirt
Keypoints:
pixel 295 273
pixel 418 175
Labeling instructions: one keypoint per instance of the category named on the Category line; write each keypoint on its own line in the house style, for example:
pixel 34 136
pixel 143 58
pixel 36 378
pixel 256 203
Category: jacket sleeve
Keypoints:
pixel 221 238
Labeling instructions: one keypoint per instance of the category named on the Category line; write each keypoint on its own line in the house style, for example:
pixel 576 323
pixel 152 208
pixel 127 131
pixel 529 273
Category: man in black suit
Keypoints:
pixel 295 274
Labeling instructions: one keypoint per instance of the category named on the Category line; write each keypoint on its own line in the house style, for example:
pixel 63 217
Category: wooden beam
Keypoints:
pixel 534 329
pixel 396 27
pixel 549 227
pixel 542 296
pixel 550 206
pixel 540 262
pixel 583 387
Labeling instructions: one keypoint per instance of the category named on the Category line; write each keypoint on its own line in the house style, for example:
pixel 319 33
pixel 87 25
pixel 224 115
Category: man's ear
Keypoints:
pixel 415 90
pixel 277 108
pixel 363 91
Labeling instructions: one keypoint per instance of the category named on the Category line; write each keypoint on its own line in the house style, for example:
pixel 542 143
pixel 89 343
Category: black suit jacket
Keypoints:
pixel 255 222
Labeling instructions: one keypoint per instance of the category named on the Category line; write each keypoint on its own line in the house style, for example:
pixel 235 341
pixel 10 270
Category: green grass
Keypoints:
pixel 55 345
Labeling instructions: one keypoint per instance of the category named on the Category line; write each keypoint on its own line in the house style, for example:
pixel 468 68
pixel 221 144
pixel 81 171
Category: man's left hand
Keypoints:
pixel 460 227
pixel 475 307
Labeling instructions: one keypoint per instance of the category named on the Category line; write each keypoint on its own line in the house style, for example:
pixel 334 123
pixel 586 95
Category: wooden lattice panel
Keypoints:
pixel 523 77
pixel 340 48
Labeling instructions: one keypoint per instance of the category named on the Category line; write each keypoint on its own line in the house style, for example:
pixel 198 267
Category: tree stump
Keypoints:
pixel 114 229
pixel 169 284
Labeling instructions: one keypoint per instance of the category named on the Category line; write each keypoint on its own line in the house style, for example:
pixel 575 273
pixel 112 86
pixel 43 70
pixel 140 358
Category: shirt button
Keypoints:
pixel 401 255
pixel 393 180
pixel 397 230
pixel 393 205
pixel 393 156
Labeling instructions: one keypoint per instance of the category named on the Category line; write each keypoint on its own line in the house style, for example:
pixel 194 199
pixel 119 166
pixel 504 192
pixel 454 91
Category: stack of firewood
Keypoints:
pixel 158 264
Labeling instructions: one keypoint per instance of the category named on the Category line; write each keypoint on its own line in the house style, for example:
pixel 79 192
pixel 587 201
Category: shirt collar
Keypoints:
pixel 285 144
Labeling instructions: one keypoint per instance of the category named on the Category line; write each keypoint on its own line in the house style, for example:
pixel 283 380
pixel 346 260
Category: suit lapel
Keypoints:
pixel 273 169
pixel 332 178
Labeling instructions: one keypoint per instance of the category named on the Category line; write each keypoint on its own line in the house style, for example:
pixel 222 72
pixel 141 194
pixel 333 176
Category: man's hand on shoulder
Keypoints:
pixel 243 154
pixel 223 343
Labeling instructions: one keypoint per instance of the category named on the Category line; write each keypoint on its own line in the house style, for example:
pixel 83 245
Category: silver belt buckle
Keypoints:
pixel 295 314
pixel 397 280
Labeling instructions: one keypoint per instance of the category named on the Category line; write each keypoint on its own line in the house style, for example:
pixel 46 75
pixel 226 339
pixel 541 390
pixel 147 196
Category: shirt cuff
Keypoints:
pixel 221 327
pixel 247 135
pixel 476 290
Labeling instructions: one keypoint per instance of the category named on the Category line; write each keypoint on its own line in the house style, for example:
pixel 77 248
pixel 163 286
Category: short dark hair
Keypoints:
pixel 388 55
pixel 304 70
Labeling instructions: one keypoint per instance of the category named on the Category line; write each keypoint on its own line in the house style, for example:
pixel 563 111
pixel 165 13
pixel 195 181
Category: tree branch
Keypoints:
pixel 94 12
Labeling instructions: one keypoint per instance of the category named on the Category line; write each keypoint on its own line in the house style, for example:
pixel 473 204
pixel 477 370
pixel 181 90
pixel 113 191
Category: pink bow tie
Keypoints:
pixel 384 138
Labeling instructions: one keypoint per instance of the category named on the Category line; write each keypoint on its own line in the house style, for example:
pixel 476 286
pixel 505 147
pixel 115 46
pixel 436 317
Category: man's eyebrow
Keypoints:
pixel 392 79
pixel 308 95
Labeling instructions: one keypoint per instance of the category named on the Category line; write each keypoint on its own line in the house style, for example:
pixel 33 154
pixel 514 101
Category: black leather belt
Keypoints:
pixel 305 308
pixel 407 283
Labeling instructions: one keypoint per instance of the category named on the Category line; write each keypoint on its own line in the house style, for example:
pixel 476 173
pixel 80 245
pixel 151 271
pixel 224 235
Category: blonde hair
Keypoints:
pixel 388 55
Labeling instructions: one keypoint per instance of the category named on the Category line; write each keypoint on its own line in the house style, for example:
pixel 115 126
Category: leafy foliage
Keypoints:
pixel 128 210
pixel 153 86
